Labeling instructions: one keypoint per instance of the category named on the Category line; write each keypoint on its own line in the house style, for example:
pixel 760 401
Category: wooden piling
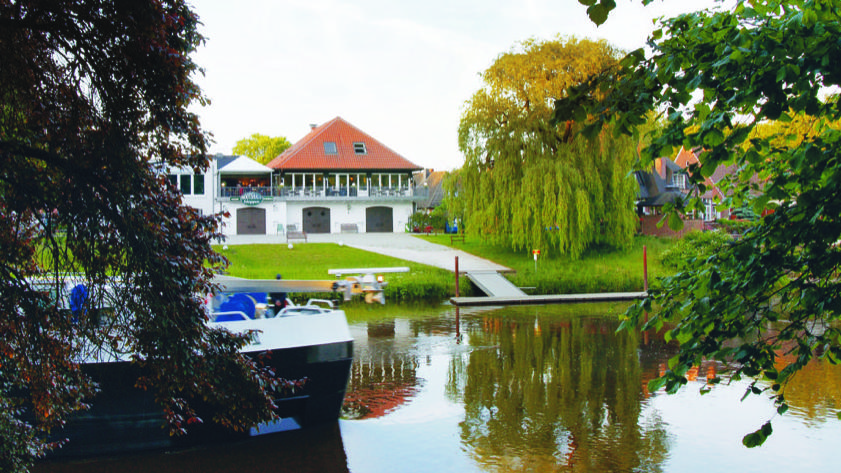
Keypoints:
pixel 456 276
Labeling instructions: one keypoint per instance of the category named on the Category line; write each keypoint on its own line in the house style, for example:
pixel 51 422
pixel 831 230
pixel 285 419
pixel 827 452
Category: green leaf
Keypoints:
pixel 675 222
pixel 759 437
pixel 598 14
pixel 657 383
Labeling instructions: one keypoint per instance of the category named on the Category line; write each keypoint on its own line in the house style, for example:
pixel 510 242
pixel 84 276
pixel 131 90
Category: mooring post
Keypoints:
pixel 456 276
pixel 645 285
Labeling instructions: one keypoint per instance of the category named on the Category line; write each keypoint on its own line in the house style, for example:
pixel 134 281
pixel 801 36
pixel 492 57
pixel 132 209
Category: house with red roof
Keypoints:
pixel 335 179
pixel 713 193
pixel 338 178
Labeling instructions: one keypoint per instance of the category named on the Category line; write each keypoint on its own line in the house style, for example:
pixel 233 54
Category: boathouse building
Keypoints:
pixel 335 179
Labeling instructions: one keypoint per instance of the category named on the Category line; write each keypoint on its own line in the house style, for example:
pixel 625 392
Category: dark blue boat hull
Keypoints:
pixel 125 419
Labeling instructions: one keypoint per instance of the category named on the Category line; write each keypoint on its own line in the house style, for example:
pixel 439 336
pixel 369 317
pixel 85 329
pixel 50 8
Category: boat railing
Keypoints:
pixel 230 316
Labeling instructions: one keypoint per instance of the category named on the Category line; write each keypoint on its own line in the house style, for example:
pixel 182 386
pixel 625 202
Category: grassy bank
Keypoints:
pixel 313 260
pixel 599 270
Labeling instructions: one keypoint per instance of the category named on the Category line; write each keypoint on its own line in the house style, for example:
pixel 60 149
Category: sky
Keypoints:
pixel 399 70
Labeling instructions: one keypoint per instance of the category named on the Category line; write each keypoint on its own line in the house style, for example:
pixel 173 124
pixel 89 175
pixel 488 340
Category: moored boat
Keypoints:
pixel 309 342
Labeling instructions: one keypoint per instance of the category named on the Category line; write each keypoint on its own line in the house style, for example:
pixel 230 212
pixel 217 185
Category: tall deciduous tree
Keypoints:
pixel 528 183
pixel 261 148
pixel 719 75
pixel 94 97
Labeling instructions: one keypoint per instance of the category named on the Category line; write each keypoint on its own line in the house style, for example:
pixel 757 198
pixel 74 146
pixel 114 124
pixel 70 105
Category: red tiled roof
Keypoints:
pixel 308 153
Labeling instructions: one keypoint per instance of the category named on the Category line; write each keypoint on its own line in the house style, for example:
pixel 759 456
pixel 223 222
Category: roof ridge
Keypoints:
pixel 306 152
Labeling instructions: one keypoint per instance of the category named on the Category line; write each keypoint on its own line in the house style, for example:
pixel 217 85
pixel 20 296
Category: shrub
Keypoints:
pixel 693 245
pixel 417 221
pixel 735 226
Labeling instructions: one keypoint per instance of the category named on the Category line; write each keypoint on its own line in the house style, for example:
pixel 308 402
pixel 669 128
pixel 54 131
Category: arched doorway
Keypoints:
pixel 316 220
pixel 379 220
pixel 251 221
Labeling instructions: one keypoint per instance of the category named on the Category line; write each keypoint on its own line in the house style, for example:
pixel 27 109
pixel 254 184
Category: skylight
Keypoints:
pixel 330 147
pixel 359 148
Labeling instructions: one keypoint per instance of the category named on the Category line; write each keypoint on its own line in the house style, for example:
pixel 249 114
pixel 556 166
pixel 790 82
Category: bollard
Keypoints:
pixel 456 276
pixel 645 285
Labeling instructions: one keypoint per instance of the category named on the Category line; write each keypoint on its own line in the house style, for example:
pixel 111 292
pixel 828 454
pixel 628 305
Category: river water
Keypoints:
pixel 530 388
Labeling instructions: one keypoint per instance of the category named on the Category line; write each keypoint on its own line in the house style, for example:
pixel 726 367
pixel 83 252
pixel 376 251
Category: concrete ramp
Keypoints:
pixel 494 284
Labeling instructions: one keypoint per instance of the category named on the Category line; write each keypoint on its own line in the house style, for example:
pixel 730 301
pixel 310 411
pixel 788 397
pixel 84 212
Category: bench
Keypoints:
pixel 296 235
pixel 456 237
pixel 349 228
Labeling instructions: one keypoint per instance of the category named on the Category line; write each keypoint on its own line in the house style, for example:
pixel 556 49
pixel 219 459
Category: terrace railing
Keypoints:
pixel 321 194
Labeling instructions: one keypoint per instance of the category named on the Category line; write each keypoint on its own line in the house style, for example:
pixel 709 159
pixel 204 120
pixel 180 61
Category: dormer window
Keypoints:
pixel 330 147
pixel 679 181
pixel 359 148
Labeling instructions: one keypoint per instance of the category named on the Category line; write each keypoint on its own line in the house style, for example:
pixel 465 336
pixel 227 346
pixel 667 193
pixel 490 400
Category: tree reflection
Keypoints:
pixel 813 393
pixel 556 392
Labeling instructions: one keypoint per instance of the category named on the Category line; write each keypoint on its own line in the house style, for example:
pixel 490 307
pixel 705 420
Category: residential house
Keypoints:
pixel 432 181
pixel 666 183
pixel 713 193
pixel 339 178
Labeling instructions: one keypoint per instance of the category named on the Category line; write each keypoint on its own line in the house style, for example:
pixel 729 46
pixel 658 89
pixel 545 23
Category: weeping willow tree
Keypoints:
pixel 528 183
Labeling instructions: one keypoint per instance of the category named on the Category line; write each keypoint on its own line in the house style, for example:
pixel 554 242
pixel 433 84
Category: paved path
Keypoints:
pixel 399 245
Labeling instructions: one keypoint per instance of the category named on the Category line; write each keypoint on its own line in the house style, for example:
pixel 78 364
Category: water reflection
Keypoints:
pixel 550 388
pixel 556 393
pixel 383 375
pixel 319 449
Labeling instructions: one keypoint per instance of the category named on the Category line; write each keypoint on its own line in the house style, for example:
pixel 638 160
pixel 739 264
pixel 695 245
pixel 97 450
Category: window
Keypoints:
pixel 185 184
pixel 680 181
pixel 710 213
pixel 330 147
pixel 359 148
pixel 173 179
pixel 198 184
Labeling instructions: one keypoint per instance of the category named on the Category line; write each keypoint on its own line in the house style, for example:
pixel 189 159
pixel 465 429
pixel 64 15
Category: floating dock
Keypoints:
pixel 547 299
pixel 500 291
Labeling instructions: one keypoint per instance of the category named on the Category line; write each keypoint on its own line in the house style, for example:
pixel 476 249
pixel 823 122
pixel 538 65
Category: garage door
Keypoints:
pixel 251 221
pixel 379 220
pixel 317 220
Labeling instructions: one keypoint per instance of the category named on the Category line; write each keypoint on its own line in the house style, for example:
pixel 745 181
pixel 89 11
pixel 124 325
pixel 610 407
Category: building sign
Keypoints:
pixel 251 198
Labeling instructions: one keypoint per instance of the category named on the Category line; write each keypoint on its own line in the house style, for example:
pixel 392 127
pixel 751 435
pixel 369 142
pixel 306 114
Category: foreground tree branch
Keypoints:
pixel 94 99
pixel 720 77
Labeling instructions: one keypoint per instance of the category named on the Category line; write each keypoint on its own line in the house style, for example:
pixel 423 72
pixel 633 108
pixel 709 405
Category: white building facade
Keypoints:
pixel 336 179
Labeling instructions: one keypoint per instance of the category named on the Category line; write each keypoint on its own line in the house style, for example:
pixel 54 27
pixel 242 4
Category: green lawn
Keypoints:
pixel 313 260
pixel 599 270
pixel 602 269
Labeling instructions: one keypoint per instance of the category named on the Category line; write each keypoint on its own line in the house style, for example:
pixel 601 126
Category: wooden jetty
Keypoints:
pixel 500 291
pixel 547 299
